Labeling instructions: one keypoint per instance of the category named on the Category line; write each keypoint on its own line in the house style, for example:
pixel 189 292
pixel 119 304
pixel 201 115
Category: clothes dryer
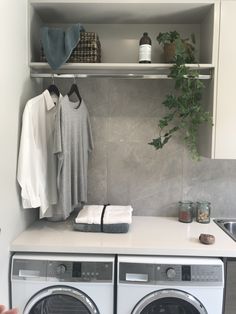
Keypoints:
pixel 62 284
pixel 169 285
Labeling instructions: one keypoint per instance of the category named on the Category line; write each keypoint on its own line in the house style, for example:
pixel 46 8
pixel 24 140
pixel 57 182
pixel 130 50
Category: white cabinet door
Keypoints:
pixel 225 123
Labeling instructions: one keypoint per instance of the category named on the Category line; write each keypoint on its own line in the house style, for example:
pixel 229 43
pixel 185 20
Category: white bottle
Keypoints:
pixel 145 49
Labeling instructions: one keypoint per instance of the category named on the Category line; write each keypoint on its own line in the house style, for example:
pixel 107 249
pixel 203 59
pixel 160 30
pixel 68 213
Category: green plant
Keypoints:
pixel 168 37
pixel 184 105
pixel 184 46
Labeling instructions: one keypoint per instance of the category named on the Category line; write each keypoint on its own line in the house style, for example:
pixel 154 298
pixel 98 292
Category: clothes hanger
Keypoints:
pixel 74 89
pixel 53 89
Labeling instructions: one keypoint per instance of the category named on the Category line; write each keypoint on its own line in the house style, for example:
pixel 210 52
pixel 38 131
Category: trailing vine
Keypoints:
pixel 185 109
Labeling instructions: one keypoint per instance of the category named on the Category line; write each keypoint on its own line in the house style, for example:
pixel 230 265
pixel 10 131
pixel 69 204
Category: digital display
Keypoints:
pixel 186 273
pixel 76 270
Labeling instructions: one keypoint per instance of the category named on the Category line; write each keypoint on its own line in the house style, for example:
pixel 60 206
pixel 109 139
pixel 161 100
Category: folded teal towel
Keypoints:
pixel 58 44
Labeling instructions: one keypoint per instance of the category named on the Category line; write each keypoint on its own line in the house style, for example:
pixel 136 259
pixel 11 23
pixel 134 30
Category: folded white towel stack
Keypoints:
pixel 91 214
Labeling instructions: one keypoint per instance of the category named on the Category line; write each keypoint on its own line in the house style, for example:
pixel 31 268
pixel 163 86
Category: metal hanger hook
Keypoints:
pixel 53 81
pixel 74 79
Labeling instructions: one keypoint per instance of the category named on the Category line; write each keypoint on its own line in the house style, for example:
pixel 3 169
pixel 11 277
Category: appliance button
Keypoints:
pixel 170 273
pixel 61 269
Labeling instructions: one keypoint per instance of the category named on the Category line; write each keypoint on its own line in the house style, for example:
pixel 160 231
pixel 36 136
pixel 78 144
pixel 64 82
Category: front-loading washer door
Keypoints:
pixel 60 300
pixel 169 301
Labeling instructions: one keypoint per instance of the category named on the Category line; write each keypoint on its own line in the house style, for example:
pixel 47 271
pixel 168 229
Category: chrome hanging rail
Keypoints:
pixel 110 75
pixel 115 70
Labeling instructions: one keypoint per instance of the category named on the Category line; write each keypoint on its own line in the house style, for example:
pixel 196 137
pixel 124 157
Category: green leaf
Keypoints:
pixel 162 123
pixel 166 139
pixel 156 143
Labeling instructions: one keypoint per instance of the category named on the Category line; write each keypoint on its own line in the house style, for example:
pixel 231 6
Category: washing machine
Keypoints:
pixel 65 284
pixel 169 285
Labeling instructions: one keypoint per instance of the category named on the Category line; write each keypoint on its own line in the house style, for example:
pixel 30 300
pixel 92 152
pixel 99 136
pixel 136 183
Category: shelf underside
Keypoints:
pixel 128 70
pixel 120 12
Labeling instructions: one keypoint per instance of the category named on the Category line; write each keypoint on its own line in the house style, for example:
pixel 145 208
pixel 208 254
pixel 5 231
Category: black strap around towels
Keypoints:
pixel 102 215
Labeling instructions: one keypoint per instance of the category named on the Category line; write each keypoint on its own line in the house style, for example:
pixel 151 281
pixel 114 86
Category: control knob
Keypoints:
pixel 170 273
pixel 61 269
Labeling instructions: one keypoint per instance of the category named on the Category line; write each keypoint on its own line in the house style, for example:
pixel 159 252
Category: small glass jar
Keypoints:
pixel 185 211
pixel 203 213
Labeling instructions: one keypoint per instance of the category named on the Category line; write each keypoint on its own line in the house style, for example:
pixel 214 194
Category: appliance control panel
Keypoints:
pixel 79 271
pixel 189 273
pixel 63 271
pixel 160 273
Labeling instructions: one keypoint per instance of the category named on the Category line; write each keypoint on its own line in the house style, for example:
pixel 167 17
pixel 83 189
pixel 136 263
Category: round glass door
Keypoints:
pixel 169 302
pixel 60 300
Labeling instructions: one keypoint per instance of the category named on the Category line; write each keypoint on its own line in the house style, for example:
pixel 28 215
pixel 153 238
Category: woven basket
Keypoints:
pixel 88 49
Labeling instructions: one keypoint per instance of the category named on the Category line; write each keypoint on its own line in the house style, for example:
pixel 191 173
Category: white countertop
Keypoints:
pixel 147 236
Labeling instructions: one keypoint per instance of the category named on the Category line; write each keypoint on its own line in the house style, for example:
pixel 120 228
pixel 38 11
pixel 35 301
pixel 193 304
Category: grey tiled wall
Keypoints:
pixel 124 169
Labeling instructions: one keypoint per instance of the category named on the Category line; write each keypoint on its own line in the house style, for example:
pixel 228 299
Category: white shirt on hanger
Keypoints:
pixel 37 164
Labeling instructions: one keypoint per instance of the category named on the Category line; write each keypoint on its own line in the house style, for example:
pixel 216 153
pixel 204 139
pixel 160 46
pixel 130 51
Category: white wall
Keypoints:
pixel 15 89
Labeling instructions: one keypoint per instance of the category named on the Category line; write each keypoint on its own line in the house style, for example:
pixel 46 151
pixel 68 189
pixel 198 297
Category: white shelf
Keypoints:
pixel 129 70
